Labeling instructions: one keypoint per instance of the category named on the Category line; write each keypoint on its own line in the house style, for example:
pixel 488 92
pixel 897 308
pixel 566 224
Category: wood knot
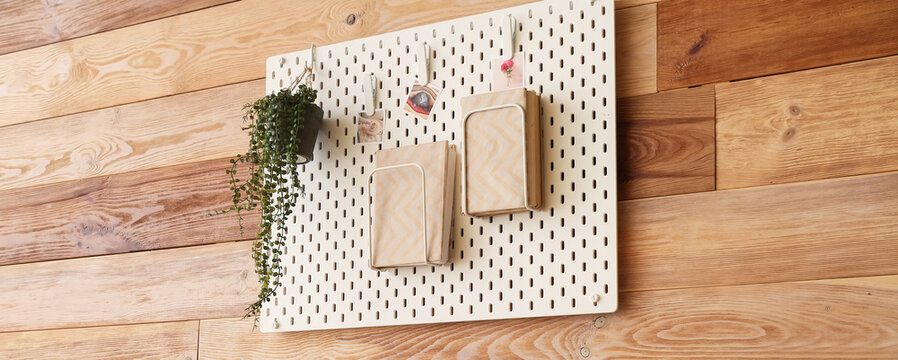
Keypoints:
pixel 789 134
pixel 795 110
pixel 698 45
pixel 351 19
pixel 584 351
pixel 87 227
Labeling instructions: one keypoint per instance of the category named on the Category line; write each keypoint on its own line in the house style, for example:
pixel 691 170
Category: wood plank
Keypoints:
pixel 175 341
pixel 666 143
pixel 831 319
pixel 190 127
pixel 211 281
pixel 706 41
pixel 28 24
pixel 812 230
pixel 814 124
pixel 227 44
pixel 620 4
pixel 143 210
pixel 22 22
pixel 636 50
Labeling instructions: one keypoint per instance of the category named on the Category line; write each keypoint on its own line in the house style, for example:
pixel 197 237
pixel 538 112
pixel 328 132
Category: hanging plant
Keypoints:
pixel 283 127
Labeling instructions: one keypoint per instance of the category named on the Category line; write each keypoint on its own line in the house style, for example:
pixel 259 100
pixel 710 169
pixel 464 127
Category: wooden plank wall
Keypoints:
pixel 758 182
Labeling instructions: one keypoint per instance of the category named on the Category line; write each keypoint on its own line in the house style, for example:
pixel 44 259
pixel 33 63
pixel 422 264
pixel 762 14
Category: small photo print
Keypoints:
pixel 508 74
pixel 370 127
pixel 421 100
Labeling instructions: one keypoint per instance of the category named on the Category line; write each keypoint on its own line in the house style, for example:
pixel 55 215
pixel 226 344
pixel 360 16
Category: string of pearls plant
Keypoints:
pixel 278 125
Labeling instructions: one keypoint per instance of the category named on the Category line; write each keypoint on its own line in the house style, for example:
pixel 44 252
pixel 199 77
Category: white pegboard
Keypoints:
pixel 556 261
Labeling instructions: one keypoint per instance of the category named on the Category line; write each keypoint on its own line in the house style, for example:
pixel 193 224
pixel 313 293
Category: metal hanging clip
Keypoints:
pixel 509 25
pixel 307 75
pixel 369 89
pixel 311 62
pixel 424 63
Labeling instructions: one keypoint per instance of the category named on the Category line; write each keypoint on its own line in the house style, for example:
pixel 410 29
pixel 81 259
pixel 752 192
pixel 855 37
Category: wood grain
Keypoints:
pixel 813 124
pixel 190 127
pixel 211 281
pixel 174 341
pixel 620 4
pixel 28 24
pixel 811 230
pixel 831 319
pixel 23 21
pixel 706 41
pixel 636 50
pixel 666 143
pixel 136 211
pixel 227 44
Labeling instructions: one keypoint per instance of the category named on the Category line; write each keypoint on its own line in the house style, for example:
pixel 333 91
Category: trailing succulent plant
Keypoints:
pixel 275 124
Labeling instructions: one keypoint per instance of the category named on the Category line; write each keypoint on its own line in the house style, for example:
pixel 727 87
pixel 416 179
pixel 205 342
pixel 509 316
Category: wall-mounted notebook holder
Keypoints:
pixel 411 195
pixel 464 155
pixel 425 247
pixel 501 154
pixel 559 260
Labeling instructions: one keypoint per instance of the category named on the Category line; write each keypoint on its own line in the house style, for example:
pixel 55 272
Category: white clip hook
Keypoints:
pixel 370 91
pixel 509 26
pixel 311 62
pixel 424 63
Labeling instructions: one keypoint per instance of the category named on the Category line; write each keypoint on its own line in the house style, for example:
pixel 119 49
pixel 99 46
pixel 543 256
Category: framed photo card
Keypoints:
pixel 421 100
pixel 370 127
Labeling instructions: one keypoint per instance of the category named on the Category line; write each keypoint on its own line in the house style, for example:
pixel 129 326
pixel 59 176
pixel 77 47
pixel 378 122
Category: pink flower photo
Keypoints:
pixel 508 74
